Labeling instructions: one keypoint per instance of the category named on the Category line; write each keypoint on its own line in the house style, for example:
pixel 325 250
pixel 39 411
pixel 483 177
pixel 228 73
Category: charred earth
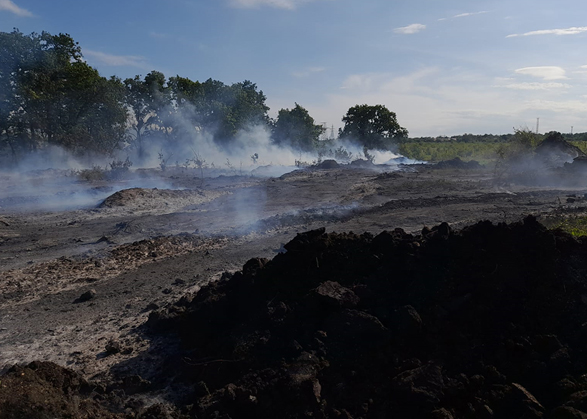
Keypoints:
pixel 465 319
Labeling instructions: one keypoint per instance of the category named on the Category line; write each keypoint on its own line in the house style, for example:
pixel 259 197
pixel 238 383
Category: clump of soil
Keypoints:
pixel 45 390
pixel 485 322
pixel 457 163
pixel 327 164
pixel 42 390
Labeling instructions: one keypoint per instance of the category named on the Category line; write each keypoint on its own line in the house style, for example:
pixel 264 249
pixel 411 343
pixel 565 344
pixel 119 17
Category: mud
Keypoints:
pixel 143 250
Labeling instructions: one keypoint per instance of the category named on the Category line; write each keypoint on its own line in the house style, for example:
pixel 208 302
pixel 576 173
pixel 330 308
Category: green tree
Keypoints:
pixel 49 95
pixel 296 128
pixel 147 100
pixel 240 107
pixel 17 53
pixel 181 117
pixel 373 127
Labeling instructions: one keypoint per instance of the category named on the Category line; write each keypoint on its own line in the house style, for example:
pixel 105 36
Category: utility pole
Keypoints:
pixel 537 124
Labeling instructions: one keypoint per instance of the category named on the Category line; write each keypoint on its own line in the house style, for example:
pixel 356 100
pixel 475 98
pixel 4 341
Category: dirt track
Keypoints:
pixel 148 247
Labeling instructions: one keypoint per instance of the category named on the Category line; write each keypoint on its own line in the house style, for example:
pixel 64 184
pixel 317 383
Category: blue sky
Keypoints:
pixel 444 66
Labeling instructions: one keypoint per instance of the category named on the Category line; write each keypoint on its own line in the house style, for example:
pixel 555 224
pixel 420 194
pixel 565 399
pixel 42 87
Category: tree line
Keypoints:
pixel 50 96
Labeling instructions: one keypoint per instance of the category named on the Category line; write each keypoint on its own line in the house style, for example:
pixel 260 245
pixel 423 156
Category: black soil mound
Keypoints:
pixel 555 151
pixel 486 322
pixel 457 163
pixel 44 390
pixel 327 164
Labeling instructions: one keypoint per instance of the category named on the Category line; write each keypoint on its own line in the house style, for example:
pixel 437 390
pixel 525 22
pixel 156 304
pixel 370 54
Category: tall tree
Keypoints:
pixel 373 127
pixel 184 95
pixel 296 128
pixel 235 108
pixel 51 96
pixel 147 100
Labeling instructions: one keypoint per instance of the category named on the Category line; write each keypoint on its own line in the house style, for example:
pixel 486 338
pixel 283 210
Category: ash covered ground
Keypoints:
pixel 447 317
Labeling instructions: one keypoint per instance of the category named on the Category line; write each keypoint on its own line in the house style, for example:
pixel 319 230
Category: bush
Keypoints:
pixel 94 174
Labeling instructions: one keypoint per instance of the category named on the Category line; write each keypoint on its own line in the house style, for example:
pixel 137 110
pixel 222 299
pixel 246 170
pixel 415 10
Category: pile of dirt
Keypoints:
pixel 42 390
pixel 457 163
pixel 554 151
pixel 152 199
pixel 327 164
pixel 488 322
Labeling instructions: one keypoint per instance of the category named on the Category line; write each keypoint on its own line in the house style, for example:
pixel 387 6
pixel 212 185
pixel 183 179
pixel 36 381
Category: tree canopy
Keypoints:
pixel 372 126
pixel 49 95
pixel 295 128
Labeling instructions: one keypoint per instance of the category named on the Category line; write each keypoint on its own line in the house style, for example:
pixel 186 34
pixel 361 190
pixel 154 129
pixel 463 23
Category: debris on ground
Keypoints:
pixel 488 321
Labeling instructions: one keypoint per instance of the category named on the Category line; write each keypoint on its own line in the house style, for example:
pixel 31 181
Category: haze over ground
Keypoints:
pixel 445 67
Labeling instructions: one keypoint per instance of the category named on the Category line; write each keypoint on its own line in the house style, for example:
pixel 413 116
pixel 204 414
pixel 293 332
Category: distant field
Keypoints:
pixel 581 144
pixel 433 152
pixel 483 152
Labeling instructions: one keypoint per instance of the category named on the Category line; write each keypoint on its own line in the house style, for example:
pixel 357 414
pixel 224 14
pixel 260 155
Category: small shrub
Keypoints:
pixel 576 226
pixel 163 161
pixel 118 168
pixel 94 174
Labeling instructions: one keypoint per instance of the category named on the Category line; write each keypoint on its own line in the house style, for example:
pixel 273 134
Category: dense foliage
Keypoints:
pixel 373 127
pixel 438 151
pixel 50 96
pixel 296 128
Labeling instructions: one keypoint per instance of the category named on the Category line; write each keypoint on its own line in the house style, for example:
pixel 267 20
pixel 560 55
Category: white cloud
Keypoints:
pixel 567 31
pixel 117 60
pixel 537 86
pixel 570 106
pixel 362 81
pixel 281 4
pixel 410 29
pixel 308 72
pixel 447 101
pixel 9 6
pixel 465 15
pixel 544 72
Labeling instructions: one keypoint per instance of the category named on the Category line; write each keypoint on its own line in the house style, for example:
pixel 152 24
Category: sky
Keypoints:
pixel 445 67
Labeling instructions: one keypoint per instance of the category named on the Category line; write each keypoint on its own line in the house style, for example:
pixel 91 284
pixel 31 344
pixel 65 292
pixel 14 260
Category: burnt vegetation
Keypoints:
pixel 487 321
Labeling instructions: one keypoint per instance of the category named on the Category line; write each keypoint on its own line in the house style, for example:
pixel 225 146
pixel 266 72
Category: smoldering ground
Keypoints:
pixel 53 179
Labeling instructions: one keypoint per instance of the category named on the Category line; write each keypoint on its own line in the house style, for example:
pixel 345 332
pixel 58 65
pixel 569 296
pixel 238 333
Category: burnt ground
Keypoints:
pixel 78 285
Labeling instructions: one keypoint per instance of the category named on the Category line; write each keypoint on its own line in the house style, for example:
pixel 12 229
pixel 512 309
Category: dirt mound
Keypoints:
pixel 42 390
pixel 45 390
pixel 457 163
pixel 554 151
pixel 488 321
pixel 327 164
pixel 149 199
pixel 485 322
